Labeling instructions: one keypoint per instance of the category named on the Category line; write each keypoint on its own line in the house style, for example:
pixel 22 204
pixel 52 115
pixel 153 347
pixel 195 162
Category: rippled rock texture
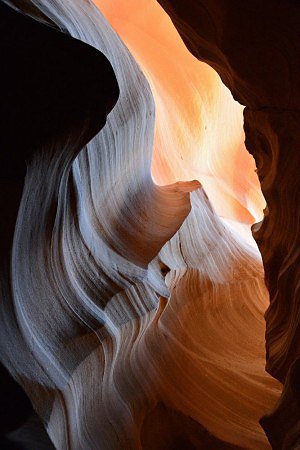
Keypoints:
pixel 133 296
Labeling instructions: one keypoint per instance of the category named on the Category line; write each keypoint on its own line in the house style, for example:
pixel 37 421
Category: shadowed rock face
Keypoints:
pixel 168 429
pixel 43 89
pixel 283 427
pixel 44 98
pixel 254 47
pixel 272 136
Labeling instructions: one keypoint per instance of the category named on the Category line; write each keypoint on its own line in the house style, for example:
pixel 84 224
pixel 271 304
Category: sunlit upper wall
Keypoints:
pixel 199 127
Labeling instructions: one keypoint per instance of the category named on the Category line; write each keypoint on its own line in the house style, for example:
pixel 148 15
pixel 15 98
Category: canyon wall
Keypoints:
pixel 133 299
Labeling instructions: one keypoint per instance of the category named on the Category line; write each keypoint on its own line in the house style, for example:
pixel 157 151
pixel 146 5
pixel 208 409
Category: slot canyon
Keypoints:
pixel 149 225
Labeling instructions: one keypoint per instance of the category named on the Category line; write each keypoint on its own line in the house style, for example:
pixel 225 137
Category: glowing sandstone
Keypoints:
pixel 199 127
pixel 132 314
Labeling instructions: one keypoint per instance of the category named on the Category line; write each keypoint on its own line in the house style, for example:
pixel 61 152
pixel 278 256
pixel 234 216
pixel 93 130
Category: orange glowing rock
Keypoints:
pixel 199 127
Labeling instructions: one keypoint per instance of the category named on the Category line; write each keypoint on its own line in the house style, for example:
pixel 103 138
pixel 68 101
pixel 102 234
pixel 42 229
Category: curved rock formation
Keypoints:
pixel 175 360
pixel 43 100
pixel 136 309
pixel 82 234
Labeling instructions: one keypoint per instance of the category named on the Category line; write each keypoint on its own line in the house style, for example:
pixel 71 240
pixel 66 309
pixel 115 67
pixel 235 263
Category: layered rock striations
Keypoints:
pixel 132 309
pixel 85 230
pixel 197 359
pixel 45 101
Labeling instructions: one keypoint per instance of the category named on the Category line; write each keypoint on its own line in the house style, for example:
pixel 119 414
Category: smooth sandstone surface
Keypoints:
pixel 136 299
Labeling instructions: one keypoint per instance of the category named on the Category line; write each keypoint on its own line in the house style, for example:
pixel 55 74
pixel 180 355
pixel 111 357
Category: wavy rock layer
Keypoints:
pixel 135 313
pixel 88 231
pixel 43 99
pixel 199 354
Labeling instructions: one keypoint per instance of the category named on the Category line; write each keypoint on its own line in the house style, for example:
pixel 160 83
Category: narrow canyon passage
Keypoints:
pixel 136 299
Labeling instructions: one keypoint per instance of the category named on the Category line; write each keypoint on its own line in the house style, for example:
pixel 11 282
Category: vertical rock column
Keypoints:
pixel 272 136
